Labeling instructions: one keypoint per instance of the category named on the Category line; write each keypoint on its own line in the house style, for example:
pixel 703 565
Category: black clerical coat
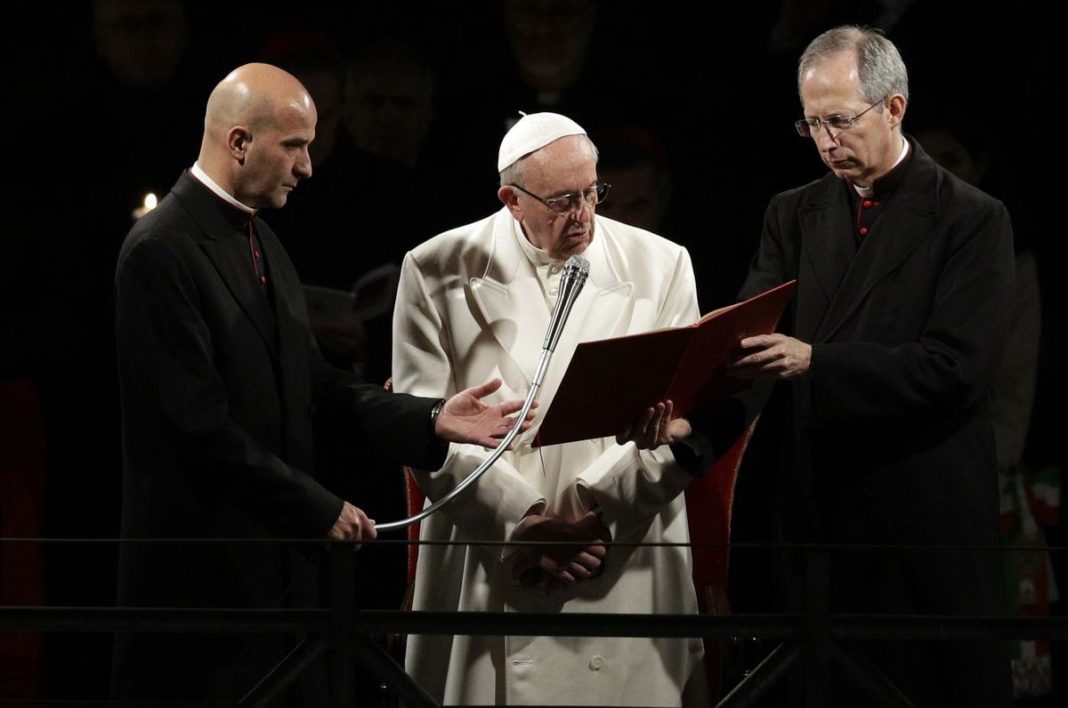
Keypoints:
pixel 888 439
pixel 220 379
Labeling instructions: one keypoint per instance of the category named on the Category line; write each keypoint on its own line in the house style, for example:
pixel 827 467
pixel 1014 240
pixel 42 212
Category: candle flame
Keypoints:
pixel 150 202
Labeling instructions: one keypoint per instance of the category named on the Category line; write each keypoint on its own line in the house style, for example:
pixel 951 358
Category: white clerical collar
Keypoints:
pixel 536 256
pixel 868 191
pixel 221 193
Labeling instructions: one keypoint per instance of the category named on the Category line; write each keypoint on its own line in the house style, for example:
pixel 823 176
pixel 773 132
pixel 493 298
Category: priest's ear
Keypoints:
pixel 896 109
pixel 238 139
pixel 509 196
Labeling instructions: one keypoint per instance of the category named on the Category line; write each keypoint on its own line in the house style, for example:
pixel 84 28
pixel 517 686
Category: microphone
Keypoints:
pixel 576 270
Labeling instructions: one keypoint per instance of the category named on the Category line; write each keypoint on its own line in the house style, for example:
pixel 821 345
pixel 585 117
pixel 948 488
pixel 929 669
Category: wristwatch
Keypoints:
pixel 434 412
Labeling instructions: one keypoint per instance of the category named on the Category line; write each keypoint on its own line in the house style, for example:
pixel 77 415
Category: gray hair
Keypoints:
pixel 881 70
pixel 513 173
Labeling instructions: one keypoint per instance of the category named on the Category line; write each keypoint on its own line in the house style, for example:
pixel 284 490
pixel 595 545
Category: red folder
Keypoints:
pixel 609 382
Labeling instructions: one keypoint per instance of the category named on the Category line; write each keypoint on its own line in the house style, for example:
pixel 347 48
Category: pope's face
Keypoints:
pixel 565 166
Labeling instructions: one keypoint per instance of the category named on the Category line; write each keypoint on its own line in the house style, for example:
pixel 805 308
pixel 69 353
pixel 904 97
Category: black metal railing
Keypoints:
pixel 344 634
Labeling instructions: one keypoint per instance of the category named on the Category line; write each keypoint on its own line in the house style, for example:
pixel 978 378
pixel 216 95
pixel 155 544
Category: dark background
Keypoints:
pixel 710 90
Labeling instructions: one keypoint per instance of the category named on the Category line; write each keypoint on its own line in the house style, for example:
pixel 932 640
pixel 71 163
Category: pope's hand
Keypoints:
pixel 573 550
pixel 656 427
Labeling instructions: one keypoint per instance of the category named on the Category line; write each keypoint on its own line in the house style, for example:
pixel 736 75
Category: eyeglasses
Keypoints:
pixel 593 195
pixel 807 127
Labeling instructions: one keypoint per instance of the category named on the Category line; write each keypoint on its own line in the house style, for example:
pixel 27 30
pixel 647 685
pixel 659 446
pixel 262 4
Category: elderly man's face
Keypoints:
pixel 277 157
pixel 867 150
pixel 567 165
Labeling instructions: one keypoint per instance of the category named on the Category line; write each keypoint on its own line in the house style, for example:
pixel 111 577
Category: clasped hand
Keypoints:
pixel 573 551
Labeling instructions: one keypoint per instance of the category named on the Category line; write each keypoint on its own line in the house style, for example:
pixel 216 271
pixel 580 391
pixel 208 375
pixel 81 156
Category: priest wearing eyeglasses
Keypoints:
pixel 878 385
pixel 478 299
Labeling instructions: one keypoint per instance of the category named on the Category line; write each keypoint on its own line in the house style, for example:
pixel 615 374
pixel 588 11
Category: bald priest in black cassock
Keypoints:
pixel 220 380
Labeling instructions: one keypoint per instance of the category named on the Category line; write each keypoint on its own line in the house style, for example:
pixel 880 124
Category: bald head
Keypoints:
pixel 257 127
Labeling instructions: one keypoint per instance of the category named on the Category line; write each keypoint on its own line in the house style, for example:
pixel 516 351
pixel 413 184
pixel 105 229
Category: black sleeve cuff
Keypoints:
pixel 687 458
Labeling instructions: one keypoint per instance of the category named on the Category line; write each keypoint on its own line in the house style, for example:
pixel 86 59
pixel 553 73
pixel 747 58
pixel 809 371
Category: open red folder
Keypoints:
pixel 609 382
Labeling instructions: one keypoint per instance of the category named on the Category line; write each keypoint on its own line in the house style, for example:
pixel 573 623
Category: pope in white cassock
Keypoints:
pixel 474 304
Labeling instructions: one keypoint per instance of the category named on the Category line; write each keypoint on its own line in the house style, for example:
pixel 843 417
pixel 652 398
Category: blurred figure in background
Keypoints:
pixel 389 94
pixel 1029 498
pixel 633 161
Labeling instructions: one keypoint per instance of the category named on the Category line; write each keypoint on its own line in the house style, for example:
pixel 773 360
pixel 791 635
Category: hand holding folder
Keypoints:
pixel 610 382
